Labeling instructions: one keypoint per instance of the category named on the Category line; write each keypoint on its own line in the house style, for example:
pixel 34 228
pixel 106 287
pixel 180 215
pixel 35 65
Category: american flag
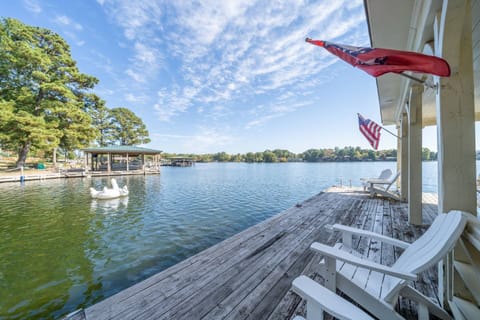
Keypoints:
pixel 370 129
pixel 378 61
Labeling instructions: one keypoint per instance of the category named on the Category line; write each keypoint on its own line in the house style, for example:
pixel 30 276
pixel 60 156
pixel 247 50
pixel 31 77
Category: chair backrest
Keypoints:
pixel 431 247
pixel 385 174
pixel 392 181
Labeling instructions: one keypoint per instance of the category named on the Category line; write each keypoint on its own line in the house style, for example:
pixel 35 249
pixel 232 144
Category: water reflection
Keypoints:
pixel 110 206
pixel 43 230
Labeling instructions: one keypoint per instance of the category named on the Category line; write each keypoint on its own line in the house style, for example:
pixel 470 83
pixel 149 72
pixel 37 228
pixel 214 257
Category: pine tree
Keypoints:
pixel 42 91
pixel 128 129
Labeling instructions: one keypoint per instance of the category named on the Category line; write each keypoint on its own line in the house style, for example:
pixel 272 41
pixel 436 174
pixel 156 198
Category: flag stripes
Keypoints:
pixel 370 129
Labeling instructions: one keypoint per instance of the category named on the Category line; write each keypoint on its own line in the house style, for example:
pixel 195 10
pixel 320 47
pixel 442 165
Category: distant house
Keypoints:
pixel 121 158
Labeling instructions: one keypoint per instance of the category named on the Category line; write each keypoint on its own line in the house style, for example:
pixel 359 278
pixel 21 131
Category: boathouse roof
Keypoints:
pixel 121 150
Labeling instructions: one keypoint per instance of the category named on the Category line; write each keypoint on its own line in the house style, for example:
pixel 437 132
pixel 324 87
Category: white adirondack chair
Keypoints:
pixel 384 175
pixel 382 187
pixel 320 300
pixel 376 287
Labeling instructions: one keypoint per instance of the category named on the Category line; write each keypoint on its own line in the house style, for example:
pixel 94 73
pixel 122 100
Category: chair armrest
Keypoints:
pixel 327 300
pixel 364 263
pixel 365 233
pixel 377 181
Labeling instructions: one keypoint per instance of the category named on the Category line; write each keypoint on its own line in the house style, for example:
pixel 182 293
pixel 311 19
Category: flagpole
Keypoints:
pixel 418 80
pixel 391 133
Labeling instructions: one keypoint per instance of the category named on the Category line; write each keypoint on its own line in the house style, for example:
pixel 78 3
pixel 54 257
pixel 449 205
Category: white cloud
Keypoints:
pixel 66 21
pixel 135 75
pixel 284 105
pixel 261 120
pixel 224 53
pixel 133 16
pixel 32 6
pixel 130 97
pixel 74 38
pixel 145 62
pixel 202 141
pixel 170 104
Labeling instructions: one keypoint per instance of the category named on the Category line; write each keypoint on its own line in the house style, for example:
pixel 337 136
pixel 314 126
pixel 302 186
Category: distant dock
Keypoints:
pixel 111 160
pixel 250 274
pixel 178 162
pixel 75 173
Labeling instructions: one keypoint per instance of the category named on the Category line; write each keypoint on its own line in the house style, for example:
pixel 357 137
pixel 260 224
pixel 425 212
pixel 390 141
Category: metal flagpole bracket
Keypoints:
pixel 425 83
pixel 393 134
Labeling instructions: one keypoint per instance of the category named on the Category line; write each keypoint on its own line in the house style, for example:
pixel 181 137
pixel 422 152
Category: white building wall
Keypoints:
pixel 476 51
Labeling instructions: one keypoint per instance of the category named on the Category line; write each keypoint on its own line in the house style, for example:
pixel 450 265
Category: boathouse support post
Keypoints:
pixel 404 157
pixel 455 109
pixel 399 154
pixel 415 155
pixel 109 162
pixel 85 161
pixel 127 162
pixel 455 112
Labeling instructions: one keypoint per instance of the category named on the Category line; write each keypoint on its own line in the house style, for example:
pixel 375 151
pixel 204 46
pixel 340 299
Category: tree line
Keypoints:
pixel 311 155
pixel 46 103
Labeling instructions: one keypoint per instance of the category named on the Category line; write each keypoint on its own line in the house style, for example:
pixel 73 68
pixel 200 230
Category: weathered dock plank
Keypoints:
pixel 249 275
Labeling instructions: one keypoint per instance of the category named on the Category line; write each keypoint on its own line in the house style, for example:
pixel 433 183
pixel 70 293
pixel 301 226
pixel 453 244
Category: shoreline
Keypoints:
pixel 38 174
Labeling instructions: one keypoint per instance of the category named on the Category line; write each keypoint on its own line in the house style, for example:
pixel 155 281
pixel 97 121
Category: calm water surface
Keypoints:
pixel 61 250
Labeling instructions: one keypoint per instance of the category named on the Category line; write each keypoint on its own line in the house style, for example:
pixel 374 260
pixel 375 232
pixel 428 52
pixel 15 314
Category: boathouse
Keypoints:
pixel 121 158
pixel 449 29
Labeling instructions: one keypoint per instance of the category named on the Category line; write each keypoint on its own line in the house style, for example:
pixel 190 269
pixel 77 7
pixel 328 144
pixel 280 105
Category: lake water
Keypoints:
pixel 60 250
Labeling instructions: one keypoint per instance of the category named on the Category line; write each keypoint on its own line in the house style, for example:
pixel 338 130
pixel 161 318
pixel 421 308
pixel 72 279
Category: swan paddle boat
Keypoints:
pixel 107 193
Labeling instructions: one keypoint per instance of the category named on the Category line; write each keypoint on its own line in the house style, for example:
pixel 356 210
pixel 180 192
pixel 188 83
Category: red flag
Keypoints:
pixel 370 129
pixel 377 61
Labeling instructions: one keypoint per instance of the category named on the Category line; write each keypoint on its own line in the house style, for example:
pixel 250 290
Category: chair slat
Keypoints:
pixel 435 243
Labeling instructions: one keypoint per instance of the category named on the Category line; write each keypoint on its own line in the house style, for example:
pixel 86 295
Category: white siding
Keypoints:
pixel 476 51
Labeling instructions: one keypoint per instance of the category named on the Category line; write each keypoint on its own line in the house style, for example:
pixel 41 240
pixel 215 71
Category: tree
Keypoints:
pixel 283 155
pixel 101 119
pixel 42 89
pixel 311 155
pixel 250 157
pixel 258 156
pixel 127 128
pixel 76 127
pixel 269 156
pixel 425 154
pixel 221 157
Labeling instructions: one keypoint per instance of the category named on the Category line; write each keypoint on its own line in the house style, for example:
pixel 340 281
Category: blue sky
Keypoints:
pixel 211 76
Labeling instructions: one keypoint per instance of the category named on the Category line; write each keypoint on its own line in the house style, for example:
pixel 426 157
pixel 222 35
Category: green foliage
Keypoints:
pixel 269 156
pixel 100 115
pixel 221 157
pixel 425 154
pixel 250 157
pixel 311 155
pixel 126 128
pixel 41 91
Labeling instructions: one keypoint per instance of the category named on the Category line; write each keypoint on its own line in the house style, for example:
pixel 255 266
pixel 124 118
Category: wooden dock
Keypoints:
pixel 249 275
pixel 45 175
